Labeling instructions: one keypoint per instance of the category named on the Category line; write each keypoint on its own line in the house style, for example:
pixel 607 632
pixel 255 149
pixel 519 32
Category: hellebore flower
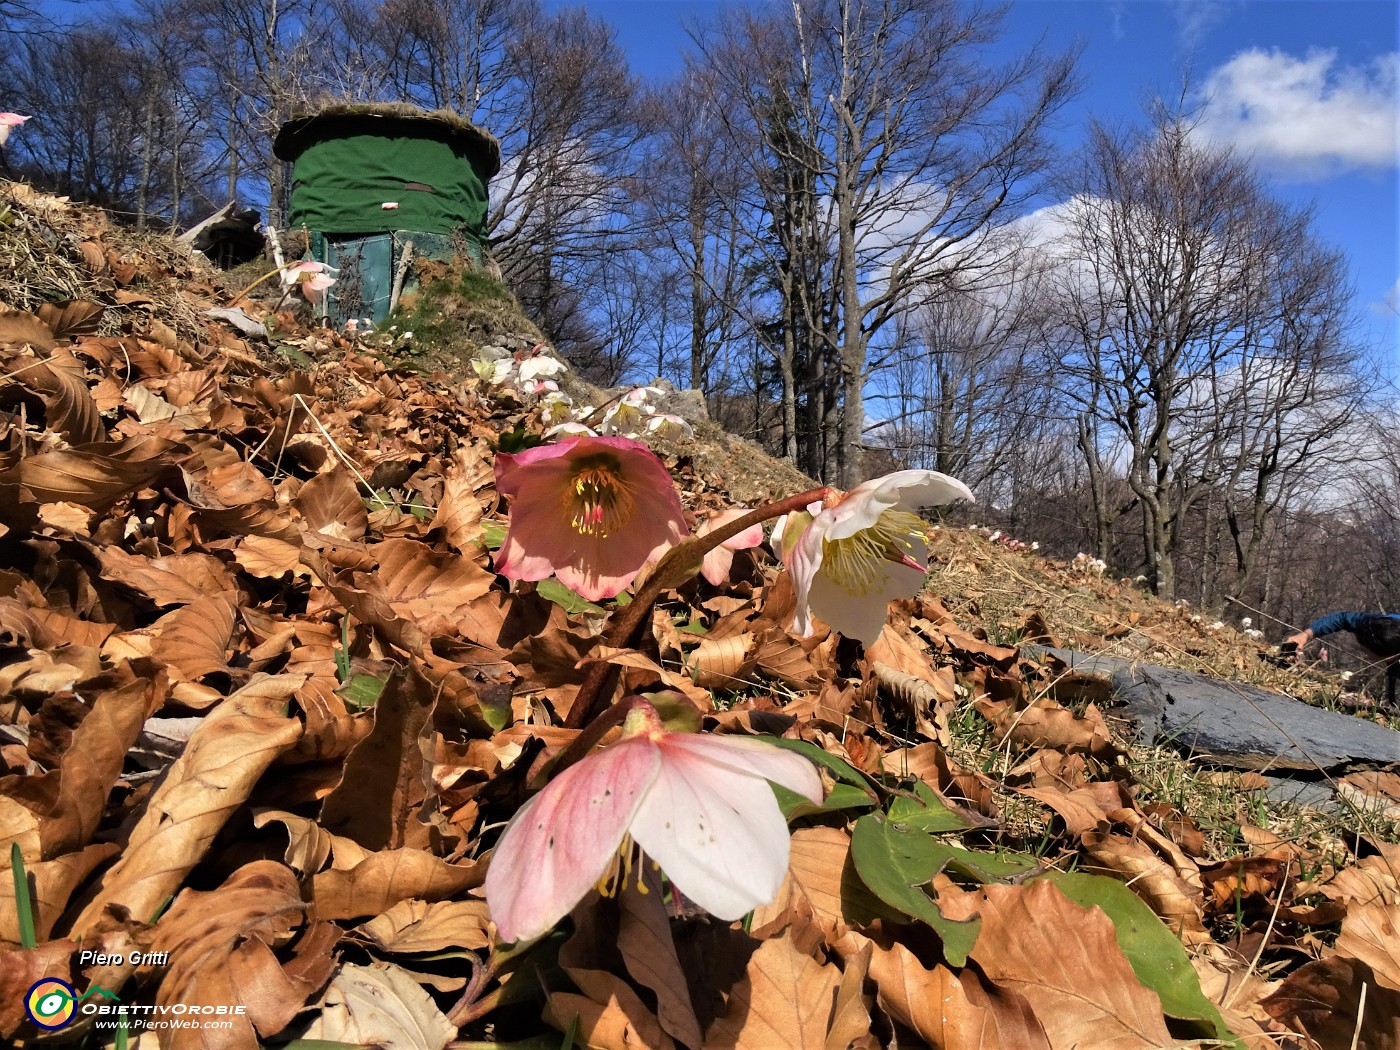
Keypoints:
pixel 698 805
pixel 590 510
pixel 8 123
pixel 863 550
pixel 720 560
pixel 311 276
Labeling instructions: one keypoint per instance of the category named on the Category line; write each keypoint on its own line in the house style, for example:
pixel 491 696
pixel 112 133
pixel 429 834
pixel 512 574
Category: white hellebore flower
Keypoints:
pixel 541 367
pixel 698 805
pixel 863 550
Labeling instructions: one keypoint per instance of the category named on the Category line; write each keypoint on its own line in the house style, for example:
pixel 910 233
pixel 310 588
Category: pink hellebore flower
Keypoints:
pixel 718 561
pixel 312 276
pixel 699 806
pixel 864 550
pixel 8 123
pixel 590 510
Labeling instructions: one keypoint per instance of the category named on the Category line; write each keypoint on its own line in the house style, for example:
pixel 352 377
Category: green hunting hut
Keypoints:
pixel 367 180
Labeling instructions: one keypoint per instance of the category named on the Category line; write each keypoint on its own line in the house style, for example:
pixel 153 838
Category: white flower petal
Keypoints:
pixel 717 834
pixel 752 757
pixel 863 616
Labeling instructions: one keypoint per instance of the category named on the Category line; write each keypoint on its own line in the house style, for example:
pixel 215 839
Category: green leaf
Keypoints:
pixel 926 813
pixel 842 796
pixel 518 439
pixel 1157 957
pixel 570 601
pixel 493 535
pixel 896 863
pixel 840 769
pixel 24 906
pixel 293 355
pixel 362 691
pixel 983 867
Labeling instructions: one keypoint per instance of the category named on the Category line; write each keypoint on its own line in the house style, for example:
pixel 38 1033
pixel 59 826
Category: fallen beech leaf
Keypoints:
pixel 1371 933
pixel 194 640
pixel 332 505
pixel 644 939
pixel 380 1006
pixel 221 952
pixel 218 770
pixel 1175 899
pixel 53 883
pixel 92 763
pixel 722 663
pixel 952 1011
pixel 1066 962
pixel 1324 1000
pixel 1079 809
pixel 24 329
pixel 72 317
pixel 268 558
pixel 1045 723
pixel 68 406
pixel 20 969
pixel 785 999
pixel 93 475
pixel 414 927
pixel 382 879
pixel 177 579
pixel 308 844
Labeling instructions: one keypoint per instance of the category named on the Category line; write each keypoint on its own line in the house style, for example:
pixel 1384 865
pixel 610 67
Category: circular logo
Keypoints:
pixel 50 1003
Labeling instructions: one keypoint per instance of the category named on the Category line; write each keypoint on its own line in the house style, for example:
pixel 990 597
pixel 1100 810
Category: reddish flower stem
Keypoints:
pixel 680 563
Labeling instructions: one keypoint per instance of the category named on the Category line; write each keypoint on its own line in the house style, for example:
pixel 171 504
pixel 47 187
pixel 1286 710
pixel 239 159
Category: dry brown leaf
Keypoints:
pixel 72 317
pixel 68 406
pixel 644 939
pixel 1079 809
pixel 383 879
pixel 94 475
pixel 221 764
pixel 20 969
pixel 786 999
pixel 221 952
pixel 1324 999
pixel 1174 898
pixel 385 774
pixel 24 329
pixel 93 762
pixel 850 1017
pixel 1371 933
pixel 414 927
pixel 176 579
pixel 1066 962
pixel 953 1011
pixel 333 506
pixel 53 884
pixel 381 1006
pixel 268 558
pixel 194 640
pixel 722 663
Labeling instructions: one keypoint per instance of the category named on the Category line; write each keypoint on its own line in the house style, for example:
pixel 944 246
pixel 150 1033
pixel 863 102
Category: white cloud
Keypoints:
pixel 1307 117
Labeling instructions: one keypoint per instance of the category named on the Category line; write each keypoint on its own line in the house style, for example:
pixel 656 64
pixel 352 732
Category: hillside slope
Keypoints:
pixel 266 708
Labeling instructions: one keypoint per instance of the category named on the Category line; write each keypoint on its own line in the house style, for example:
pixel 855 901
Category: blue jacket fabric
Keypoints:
pixel 1343 621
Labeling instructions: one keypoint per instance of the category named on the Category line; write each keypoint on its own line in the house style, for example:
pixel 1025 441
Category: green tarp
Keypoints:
pixel 365 180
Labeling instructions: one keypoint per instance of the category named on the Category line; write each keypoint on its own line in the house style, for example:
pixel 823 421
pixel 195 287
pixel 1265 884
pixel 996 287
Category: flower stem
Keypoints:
pixel 271 273
pixel 680 563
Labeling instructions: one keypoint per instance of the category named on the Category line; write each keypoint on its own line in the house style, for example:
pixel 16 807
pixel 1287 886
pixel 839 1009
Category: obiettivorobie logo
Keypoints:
pixel 51 1003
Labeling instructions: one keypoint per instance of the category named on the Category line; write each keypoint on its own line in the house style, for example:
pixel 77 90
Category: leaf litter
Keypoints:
pixel 267 707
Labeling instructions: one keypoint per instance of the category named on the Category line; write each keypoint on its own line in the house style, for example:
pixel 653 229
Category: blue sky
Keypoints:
pixel 1307 87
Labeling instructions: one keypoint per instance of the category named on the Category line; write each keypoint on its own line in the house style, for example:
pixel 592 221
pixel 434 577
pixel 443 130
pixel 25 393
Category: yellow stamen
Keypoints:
pixel 598 502
pixel 856 563
pixel 614 879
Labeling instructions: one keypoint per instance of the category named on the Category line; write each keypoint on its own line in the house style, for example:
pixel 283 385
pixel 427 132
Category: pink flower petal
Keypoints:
pixel 562 841
pixel 542 540
pixel 717 833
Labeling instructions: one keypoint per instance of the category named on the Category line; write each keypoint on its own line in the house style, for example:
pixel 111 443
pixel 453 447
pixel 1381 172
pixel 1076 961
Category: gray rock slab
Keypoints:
pixel 1235 724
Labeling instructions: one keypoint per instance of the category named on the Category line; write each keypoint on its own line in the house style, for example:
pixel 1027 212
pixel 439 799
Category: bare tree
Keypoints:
pixel 1205 332
pixel 912 145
